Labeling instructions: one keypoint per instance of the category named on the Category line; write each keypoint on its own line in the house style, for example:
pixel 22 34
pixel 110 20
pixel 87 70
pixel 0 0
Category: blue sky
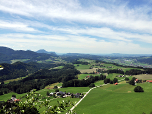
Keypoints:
pixel 77 26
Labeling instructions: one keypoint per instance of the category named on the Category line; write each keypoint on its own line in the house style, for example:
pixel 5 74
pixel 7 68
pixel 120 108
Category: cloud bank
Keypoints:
pixel 88 26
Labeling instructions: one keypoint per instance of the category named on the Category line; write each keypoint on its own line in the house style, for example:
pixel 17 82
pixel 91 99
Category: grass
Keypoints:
pixel 116 99
pixel 98 83
pixel 82 76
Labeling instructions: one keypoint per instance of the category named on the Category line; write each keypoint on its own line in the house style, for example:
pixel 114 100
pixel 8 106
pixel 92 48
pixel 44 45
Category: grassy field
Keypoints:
pixel 143 76
pixel 21 60
pixel 82 76
pixel 116 99
pixel 98 83
pixel 5 97
pixel 11 80
pixel 81 67
pixel 59 67
pixel 88 70
pixel 87 60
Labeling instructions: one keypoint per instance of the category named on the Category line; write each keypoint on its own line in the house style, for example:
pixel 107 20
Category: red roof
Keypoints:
pixel 16 100
pixel 116 83
pixel 149 80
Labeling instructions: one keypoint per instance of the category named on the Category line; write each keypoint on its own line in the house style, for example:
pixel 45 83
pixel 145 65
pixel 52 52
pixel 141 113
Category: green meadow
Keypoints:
pixel 5 97
pixel 16 79
pixel 82 76
pixel 21 60
pixel 80 66
pixel 116 99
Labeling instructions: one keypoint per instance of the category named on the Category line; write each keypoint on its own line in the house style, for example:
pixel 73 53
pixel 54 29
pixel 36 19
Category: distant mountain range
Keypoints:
pixel 8 54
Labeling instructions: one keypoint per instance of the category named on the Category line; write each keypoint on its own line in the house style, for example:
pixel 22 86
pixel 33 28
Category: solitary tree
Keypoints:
pixel 138 89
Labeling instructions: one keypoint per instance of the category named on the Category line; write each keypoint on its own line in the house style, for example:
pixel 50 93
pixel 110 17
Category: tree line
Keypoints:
pixel 83 82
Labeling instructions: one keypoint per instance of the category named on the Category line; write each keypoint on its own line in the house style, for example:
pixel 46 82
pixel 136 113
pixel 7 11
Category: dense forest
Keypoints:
pixel 19 69
pixel 40 79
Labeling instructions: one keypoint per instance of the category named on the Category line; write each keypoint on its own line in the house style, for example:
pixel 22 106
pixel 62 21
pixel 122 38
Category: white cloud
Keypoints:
pixel 116 15
pixel 111 26
pixel 65 44
pixel 16 26
pixel 107 33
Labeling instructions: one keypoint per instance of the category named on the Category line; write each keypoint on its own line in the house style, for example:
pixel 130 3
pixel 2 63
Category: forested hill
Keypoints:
pixel 40 79
pixel 8 54
pixel 19 69
pixel 147 60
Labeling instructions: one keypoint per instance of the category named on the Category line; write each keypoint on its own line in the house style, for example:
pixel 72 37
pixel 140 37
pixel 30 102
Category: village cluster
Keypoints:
pixel 66 94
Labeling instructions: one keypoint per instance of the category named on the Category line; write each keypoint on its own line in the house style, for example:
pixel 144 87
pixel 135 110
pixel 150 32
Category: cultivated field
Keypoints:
pixel 88 70
pixel 143 76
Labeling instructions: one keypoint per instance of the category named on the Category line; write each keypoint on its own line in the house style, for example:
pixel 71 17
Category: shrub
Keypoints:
pixel 47 93
pixel 107 80
pixel 1 93
pixel 138 89
pixel 126 78
pixel 14 96
pixel 55 87
pixel 115 80
pixel 111 82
